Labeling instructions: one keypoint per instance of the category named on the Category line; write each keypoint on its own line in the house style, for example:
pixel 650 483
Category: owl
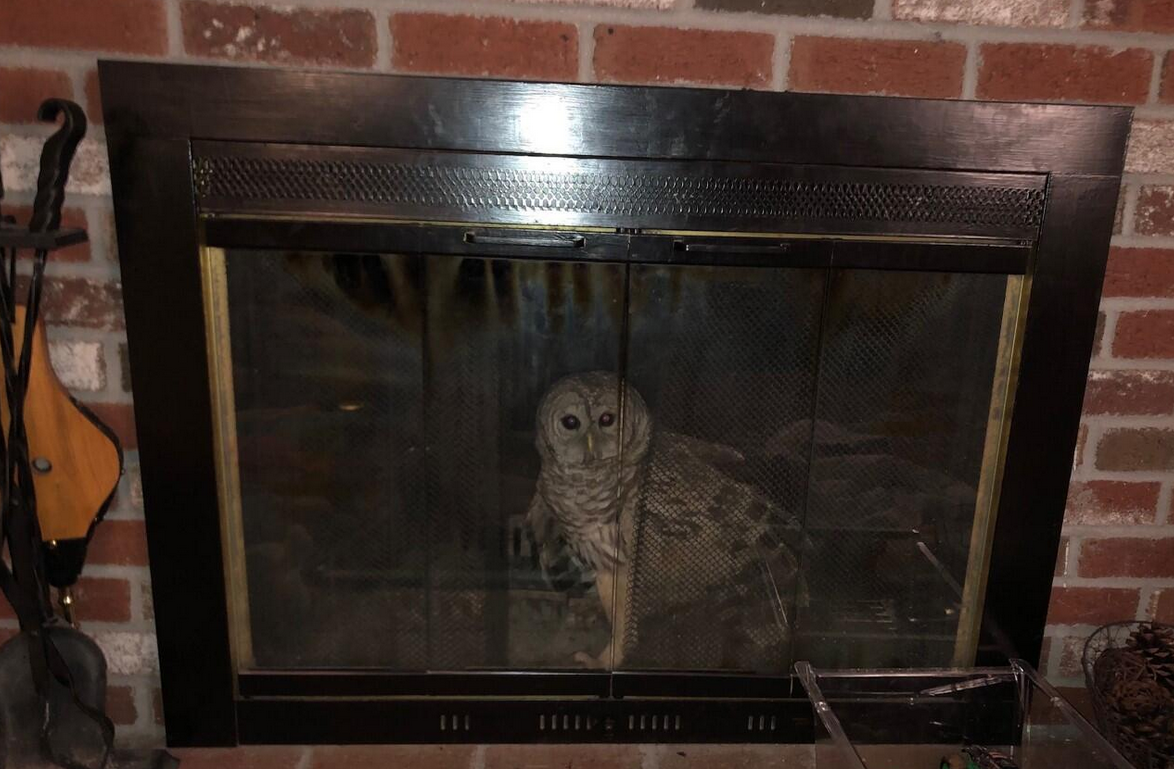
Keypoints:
pixel 612 489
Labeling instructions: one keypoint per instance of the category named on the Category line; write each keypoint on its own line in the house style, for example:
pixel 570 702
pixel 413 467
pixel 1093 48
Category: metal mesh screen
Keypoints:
pixel 385 414
pixel 726 360
pixel 816 443
pixel 328 393
pixel 906 371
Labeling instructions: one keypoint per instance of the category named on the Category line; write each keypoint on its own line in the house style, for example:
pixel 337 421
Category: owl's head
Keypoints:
pixel 586 418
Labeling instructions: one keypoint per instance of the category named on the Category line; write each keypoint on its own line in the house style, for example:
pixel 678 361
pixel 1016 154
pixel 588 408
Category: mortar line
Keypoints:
pixel 1129 209
pixel 174 22
pixel 781 61
pixel 1143 602
pixel 586 32
pixel 1111 583
pixel 1108 334
pixel 970 71
pixel 383 40
pixel 1155 79
pixel 1091 441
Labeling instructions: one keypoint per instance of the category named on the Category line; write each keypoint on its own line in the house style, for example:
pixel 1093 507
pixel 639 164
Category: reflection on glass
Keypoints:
pixel 881 719
pixel 455 463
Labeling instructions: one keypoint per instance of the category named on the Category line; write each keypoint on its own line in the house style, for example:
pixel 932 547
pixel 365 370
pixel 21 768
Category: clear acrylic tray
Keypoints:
pixel 915 719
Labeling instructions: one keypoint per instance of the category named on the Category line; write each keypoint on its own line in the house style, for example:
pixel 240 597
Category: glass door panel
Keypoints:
pixel 384 410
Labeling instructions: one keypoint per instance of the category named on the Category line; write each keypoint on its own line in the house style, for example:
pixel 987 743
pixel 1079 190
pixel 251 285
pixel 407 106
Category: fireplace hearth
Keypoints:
pixel 484 411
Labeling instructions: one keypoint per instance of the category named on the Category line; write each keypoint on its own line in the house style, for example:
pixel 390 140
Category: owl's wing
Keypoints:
pixel 718 455
pixel 561 569
pixel 716 568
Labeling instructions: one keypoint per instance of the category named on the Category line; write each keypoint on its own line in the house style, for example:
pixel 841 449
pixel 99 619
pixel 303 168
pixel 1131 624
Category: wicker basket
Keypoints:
pixel 1135 748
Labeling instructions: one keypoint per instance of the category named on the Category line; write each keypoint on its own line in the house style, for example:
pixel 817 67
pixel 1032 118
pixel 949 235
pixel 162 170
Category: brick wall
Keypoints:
pixel 1117 559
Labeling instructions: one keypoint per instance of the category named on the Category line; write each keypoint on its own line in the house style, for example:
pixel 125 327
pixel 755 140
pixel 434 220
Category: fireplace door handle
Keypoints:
pixel 538 239
pixel 731 248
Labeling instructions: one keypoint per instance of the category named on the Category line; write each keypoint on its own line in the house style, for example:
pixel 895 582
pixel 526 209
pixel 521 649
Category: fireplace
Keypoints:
pixel 476 411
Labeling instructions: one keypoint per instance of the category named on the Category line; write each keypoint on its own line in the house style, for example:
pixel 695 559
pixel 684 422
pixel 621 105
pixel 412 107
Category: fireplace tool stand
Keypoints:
pixel 53 676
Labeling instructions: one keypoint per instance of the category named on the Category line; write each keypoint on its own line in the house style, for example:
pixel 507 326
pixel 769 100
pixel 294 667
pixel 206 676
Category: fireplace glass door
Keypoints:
pixel 722 460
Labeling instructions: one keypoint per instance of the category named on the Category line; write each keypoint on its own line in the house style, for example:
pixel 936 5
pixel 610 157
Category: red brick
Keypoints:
pixel 23 89
pixel 284 35
pixel 248 757
pixel 119 417
pixel 102 599
pixel 126 26
pixel 1151 147
pixel 1127 557
pixel 561 756
pixel 1014 13
pixel 1155 213
pixel 1129 392
pixel 1161 608
pixel 1166 90
pixel 121 543
pixel 1091 605
pixel 1144 334
pixel 120 705
pixel 382 756
pixel 1130 15
pixel 1140 271
pixel 1112 502
pixel 1007 13
pixel 1039 71
pixel 498 47
pixel 1136 449
pixel 83 302
pixel 93 98
pixel 845 9
pixel 1062 557
pixel 70 217
pixel 664 55
pixel 894 67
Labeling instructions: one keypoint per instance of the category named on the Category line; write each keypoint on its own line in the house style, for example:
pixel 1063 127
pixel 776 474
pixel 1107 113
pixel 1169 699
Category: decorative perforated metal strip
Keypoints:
pixel 611 193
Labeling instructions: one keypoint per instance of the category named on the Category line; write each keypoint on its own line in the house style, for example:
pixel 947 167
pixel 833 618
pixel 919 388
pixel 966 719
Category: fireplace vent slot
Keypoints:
pixel 455 723
pixel 565 722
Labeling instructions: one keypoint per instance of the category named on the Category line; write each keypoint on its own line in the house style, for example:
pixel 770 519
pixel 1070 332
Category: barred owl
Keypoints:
pixel 610 482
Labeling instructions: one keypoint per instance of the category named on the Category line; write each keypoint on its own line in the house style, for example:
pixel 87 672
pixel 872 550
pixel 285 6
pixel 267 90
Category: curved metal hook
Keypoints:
pixel 56 156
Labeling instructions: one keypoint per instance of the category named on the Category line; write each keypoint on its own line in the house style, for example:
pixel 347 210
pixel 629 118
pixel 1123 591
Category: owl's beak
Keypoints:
pixel 591 446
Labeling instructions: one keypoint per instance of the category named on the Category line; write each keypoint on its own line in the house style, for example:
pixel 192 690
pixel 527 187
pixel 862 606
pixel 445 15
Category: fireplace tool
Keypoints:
pixel 52 676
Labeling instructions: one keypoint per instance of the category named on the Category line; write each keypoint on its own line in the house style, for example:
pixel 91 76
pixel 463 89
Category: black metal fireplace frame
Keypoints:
pixel 189 141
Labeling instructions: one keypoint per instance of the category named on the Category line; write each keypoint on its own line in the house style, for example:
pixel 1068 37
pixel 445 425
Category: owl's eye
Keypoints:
pixel 607 419
pixel 570 421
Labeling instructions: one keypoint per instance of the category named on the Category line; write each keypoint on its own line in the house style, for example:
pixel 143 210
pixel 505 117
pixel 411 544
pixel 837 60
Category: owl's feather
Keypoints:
pixel 562 570
pixel 688 539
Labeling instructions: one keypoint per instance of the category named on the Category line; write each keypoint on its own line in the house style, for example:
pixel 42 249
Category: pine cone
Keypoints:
pixel 1144 704
pixel 1155 643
